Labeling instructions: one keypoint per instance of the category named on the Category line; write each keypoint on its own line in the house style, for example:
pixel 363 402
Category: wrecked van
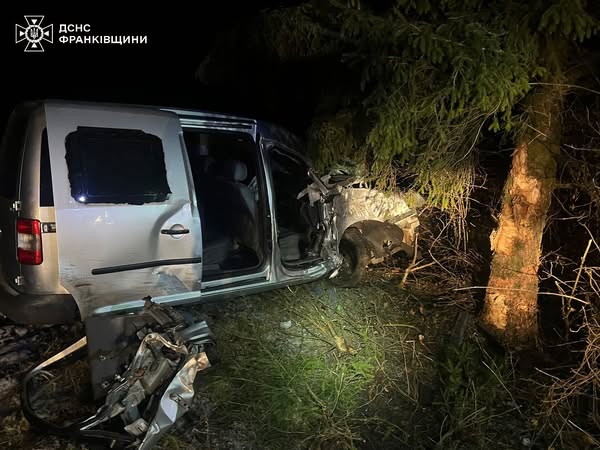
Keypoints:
pixel 103 205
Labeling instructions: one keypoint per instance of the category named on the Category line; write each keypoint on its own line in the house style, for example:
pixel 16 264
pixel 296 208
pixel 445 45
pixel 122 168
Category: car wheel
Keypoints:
pixel 356 254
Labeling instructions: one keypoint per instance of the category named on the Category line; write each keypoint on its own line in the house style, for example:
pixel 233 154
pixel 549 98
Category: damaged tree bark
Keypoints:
pixel 510 312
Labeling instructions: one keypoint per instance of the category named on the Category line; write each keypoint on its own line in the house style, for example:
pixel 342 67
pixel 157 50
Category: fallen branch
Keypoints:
pixel 412 267
pixel 523 290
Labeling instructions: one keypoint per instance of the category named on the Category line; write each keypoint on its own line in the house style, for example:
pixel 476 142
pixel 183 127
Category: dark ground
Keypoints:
pixel 315 366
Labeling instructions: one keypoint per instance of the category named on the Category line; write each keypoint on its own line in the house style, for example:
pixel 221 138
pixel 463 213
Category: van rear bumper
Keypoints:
pixel 38 309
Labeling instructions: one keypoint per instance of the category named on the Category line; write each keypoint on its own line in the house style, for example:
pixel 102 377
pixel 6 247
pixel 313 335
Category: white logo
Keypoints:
pixel 34 33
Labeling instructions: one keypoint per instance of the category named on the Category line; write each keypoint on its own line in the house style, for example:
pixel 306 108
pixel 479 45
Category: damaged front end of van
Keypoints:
pixel 369 225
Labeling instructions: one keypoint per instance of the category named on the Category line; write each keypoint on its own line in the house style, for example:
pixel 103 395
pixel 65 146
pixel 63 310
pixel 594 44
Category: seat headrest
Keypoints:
pixel 235 170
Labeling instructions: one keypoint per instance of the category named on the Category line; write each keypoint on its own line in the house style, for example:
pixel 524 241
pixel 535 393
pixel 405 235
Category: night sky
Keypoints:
pixel 160 72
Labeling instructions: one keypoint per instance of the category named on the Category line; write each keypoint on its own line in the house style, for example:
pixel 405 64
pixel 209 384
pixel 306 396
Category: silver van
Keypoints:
pixel 103 205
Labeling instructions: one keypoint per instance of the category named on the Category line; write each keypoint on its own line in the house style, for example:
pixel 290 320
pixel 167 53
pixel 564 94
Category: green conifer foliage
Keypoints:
pixel 433 77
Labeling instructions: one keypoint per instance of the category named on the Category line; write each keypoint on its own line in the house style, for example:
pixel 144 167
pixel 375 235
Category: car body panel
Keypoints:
pixel 96 239
pixel 11 157
pixel 43 278
pixel 356 204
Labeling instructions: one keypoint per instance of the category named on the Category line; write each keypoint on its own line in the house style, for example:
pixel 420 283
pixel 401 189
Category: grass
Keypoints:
pixel 475 398
pixel 318 367
pixel 311 367
pixel 315 367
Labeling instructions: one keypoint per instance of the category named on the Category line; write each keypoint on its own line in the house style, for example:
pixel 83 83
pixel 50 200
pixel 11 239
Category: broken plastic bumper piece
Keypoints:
pixel 143 365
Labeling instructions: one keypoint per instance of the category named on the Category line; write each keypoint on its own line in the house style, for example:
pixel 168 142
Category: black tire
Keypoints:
pixel 356 254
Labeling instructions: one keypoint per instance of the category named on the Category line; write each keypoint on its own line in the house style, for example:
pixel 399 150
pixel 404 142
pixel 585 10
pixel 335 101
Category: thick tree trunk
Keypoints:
pixel 510 312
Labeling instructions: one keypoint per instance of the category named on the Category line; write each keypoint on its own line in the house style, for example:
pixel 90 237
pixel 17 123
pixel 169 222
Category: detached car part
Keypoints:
pixel 143 365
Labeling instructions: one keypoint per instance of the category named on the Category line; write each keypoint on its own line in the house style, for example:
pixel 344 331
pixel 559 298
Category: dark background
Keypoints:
pixel 161 72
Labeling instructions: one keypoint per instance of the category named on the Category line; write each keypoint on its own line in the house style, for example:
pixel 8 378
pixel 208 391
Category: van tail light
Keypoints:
pixel 29 242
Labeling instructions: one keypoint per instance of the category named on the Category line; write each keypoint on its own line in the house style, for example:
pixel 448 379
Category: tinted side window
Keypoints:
pixel 10 154
pixel 46 193
pixel 108 165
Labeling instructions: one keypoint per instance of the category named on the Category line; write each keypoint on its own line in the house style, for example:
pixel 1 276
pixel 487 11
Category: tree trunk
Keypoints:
pixel 510 312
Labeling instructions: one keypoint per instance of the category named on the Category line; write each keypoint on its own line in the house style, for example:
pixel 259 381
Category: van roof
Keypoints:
pixel 190 112
pixel 267 129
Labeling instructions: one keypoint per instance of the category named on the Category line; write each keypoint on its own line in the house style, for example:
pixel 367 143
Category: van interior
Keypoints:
pixel 232 204
pixel 300 234
pixel 231 200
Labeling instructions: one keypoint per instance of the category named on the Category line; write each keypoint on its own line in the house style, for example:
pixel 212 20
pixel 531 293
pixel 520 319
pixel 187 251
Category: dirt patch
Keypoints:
pixel 22 348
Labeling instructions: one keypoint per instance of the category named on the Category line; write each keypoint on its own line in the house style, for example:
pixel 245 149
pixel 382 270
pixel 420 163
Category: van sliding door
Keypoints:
pixel 126 220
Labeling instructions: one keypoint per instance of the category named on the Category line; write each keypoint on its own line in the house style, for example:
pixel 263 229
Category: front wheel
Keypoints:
pixel 356 254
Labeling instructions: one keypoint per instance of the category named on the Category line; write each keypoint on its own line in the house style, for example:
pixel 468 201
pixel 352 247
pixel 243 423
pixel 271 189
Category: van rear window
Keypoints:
pixel 10 153
pixel 108 165
pixel 46 193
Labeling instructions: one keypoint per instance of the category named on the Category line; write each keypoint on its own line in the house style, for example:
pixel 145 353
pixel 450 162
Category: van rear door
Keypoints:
pixel 11 155
pixel 126 217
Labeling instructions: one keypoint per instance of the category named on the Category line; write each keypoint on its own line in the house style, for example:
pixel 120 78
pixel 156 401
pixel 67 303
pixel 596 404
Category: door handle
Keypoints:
pixel 175 231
